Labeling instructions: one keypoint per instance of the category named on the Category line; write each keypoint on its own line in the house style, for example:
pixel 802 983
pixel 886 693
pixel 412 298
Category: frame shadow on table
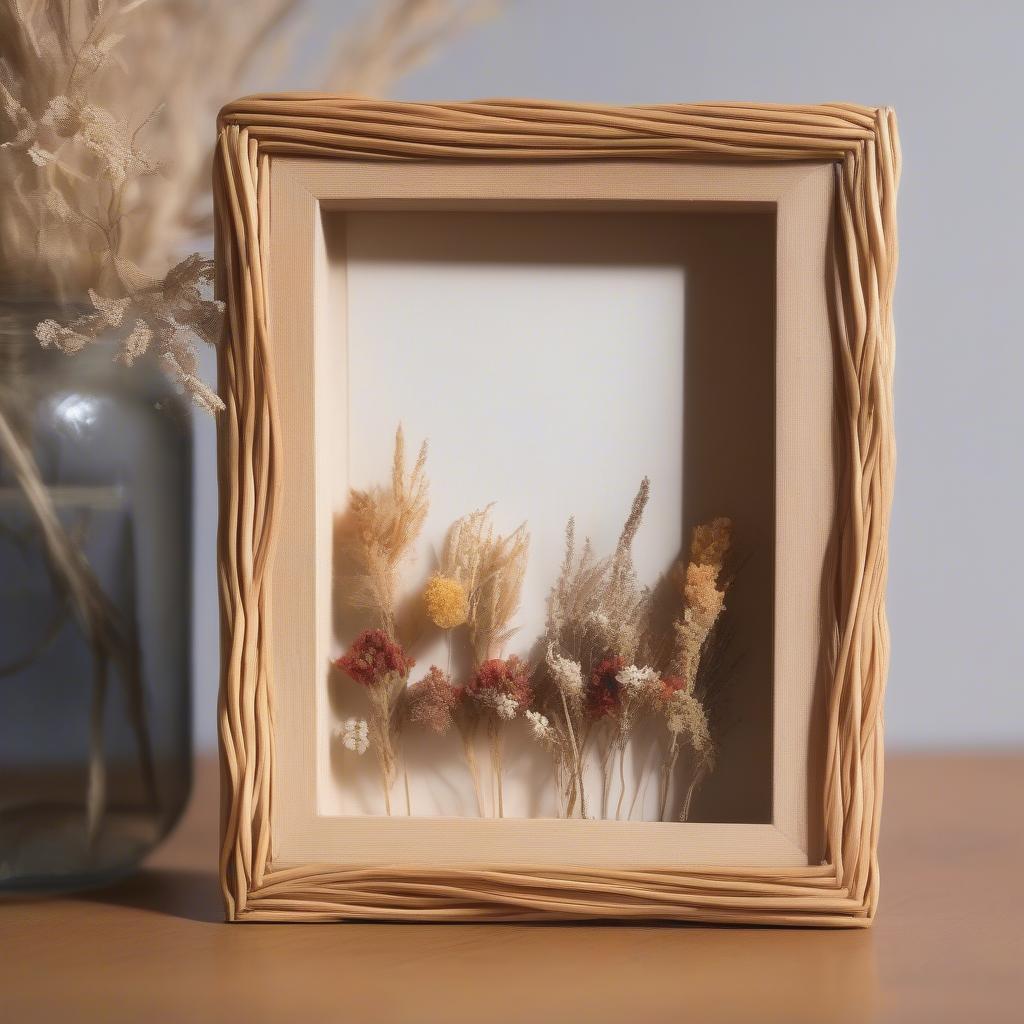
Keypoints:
pixel 185 893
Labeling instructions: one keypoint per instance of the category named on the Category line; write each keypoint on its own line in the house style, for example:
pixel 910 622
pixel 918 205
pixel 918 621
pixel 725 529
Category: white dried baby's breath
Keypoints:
pixel 504 706
pixel 39 156
pixel 355 735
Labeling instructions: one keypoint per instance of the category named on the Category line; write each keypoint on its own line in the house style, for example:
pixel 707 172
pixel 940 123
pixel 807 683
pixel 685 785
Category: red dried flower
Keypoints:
pixel 509 678
pixel 670 686
pixel 603 695
pixel 372 657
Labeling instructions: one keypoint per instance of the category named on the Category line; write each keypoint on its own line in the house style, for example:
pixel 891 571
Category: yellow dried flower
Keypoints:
pixel 703 599
pixel 711 542
pixel 447 601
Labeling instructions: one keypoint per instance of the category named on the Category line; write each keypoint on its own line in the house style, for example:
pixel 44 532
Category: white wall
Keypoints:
pixel 953 73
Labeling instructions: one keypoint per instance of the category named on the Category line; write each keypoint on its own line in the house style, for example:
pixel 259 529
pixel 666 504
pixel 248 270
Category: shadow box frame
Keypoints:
pixel 830 173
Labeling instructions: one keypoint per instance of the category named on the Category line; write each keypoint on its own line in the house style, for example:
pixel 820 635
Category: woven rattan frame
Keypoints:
pixel 862 142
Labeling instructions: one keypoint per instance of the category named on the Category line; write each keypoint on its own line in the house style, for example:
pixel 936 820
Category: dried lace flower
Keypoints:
pixel 639 682
pixel 603 694
pixel 540 727
pixel 446 600
pixel 113 144
pixel 566 673
pixel 433 701
pixel 355 735
pixel 374 659
pixel 166 314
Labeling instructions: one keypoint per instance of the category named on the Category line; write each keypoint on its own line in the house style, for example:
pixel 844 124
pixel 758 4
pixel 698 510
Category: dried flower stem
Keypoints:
pixel 641 789
pixel 667 770
pixel 380 731
pixel 622 779
pixel 695 782
pixel 98 617
pixel 577 757
pixel 467 735
pixel 607 756
pixel 494 734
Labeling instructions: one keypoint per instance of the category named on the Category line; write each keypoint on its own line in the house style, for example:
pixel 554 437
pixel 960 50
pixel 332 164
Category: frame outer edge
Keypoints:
pixel 864 144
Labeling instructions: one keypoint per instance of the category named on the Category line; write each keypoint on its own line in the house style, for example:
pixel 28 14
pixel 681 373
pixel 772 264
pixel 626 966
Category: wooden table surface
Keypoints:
pixel 946 946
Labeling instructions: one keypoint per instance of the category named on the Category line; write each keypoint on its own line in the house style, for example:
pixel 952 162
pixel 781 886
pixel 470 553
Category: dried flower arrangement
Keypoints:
pixel 386 523
pixel 91 217
pixel 602 669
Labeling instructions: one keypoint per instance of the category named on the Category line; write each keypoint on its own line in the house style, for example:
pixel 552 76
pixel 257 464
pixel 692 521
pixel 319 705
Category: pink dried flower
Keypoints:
pixel 433 700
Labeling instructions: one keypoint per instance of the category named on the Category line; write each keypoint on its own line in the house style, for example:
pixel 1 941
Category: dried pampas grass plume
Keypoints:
pixel 385 523
pixel 496 600
pixel 598 614
pixel 490 568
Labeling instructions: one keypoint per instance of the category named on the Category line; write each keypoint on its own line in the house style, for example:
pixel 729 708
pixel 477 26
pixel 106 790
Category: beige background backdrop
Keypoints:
pixel 952 71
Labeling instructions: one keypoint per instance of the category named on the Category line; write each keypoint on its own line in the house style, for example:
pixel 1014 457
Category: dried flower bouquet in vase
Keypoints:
pixel 106 157
pixel 604 687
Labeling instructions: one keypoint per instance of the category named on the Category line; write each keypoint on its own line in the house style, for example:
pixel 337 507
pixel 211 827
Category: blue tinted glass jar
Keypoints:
pixel 95 590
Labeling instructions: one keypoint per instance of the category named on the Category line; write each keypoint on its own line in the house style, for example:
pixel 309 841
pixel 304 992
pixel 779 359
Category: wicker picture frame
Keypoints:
pixel 861 145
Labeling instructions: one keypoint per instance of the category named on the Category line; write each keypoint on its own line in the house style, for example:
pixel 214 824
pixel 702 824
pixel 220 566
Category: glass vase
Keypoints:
pixel 95 589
